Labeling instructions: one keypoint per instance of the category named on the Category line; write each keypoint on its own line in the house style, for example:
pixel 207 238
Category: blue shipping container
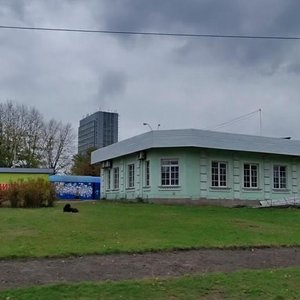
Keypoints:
pixel 76 187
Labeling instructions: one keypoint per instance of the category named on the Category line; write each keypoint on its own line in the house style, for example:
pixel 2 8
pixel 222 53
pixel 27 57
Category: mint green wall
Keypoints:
pixel 11 177
pixel 195 175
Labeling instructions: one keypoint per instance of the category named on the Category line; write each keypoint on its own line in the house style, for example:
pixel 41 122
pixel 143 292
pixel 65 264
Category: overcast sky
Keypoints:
pixel 177 82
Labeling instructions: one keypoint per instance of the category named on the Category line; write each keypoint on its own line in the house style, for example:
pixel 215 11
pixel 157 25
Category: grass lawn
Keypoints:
pixel 115 227
pixel 267 284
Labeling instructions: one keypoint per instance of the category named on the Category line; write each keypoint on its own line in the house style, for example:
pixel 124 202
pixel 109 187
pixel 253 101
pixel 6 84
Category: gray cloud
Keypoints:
pixel 214 17
pixel 294 68
pixel 165 15
pixel 112 84
pixel 177 82
pixel 15 9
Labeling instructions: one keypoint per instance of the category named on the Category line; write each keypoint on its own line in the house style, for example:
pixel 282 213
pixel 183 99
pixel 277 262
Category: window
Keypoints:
pixel 250 176
pixel 169 172
pixel 108 180
pixel 218 174
pixel 116 178
pixel 131 175
pixel 147 173
pixel 279 177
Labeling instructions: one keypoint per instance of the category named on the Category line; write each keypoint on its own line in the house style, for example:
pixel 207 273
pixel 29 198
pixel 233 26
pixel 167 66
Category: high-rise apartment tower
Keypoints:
pixel 97 130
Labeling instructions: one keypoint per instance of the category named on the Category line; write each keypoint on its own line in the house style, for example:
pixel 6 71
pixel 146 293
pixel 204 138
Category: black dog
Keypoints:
pixel 68 208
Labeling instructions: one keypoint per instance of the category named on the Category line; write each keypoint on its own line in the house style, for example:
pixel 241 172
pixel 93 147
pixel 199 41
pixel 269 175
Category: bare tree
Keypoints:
pixel 58 145
pixel 11 132
pixel 32 139
pixel 26 140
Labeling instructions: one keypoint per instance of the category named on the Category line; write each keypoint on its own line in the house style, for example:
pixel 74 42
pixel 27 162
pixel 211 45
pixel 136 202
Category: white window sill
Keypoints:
pixel 130 188
pixel 249 189
pixel 169 187
pixel 283 191
pixel 147 187
pixel 220 188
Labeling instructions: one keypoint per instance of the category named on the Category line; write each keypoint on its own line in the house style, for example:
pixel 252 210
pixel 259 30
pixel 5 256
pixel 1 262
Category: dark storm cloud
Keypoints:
pixel 176 82
pixel 259 54
pixel 168 14
pixel 205 16
pixel 270 17
pixel 287 21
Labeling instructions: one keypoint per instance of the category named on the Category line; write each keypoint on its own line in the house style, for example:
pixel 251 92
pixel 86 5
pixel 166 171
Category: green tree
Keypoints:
pixel 82 164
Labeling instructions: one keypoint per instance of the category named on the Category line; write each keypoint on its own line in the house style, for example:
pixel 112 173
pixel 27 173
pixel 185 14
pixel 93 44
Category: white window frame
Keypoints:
pixel 116 178
pixel 130 174
pixel 252 176
pixel 219 182
pixel 279 178
pixel 169 172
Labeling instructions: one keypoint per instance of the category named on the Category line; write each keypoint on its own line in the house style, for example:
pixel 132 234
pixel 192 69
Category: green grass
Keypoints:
pixel 270 284
pixel 116 227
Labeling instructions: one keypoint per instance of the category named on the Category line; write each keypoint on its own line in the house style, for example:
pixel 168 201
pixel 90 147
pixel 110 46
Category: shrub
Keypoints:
pixel 14 194
pixel 31 193
pixel 3 197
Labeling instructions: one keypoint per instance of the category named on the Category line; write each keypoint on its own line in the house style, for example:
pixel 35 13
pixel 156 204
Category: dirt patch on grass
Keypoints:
pixel 29 272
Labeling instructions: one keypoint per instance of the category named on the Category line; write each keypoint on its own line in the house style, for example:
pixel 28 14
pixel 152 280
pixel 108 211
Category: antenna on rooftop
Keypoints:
pixel 260 122
pixel 238 119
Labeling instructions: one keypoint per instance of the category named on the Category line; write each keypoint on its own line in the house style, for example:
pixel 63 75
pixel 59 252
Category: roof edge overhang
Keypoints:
pixel 197 147
pixel 196 138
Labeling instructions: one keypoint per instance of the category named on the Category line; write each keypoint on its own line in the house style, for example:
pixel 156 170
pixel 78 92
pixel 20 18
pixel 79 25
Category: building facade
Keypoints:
pixel 97 130
pixel 196 166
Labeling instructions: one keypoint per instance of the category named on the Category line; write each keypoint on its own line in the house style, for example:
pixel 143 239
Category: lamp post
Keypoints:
pixel 147 124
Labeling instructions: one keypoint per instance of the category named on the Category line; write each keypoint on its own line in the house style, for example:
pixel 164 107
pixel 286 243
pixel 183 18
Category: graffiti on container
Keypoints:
pixel 4 186
pixel 74 190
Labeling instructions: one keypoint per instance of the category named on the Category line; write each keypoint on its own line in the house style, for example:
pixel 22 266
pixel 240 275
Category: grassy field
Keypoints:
pixel 267 284
pixel 116 227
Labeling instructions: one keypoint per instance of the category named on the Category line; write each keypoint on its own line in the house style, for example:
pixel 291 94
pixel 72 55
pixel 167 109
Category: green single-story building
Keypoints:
pixel 200 167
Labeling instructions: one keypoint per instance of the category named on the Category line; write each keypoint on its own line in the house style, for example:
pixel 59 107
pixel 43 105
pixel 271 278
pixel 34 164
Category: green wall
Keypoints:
pixel 195 176
pixel 9 177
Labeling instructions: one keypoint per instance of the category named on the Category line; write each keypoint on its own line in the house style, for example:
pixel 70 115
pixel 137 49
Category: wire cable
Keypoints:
pixel 196 35
pixel 230 122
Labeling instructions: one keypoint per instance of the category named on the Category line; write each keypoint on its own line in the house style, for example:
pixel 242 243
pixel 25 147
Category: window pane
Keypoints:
pixel 169 172
pixel 218 174
pixel 250 175
pixel 116 178
pixel 147 173
pixel 279 177
pixel 131 175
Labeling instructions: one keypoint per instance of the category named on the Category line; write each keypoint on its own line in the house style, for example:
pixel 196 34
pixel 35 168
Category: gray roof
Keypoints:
pixel 200 139
pixel 27 170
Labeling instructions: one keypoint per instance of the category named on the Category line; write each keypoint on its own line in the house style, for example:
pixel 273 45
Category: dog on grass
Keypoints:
pixel 68 208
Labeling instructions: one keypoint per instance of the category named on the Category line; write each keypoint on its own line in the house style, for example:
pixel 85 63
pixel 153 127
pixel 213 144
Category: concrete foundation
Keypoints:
pixel 207 202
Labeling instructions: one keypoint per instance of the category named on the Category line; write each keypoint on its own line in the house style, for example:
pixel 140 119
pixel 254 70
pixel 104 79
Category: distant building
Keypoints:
pixel 97 130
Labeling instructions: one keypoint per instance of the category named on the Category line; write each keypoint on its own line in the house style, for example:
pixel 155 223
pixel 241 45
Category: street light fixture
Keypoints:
pixel 147 124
